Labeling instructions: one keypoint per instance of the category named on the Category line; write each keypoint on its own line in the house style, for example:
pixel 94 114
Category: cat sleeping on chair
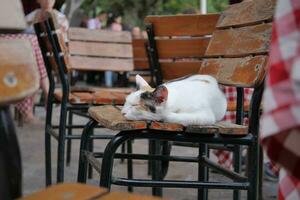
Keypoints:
pixel 193 100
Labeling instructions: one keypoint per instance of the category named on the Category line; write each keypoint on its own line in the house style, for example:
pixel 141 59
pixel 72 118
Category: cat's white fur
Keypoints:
pixel 196 100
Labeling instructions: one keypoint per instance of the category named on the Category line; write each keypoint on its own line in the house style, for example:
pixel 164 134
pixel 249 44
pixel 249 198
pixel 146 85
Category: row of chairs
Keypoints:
pixel 236 54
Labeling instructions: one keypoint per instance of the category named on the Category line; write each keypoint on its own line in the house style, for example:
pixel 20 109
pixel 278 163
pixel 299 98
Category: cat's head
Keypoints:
pixel 146 103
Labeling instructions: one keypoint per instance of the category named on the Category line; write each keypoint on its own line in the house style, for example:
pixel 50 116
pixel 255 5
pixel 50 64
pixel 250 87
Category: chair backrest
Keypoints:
pixel 237 54
pixel 140 56
pixel 179 43
pixel 100 50
pixel 16 57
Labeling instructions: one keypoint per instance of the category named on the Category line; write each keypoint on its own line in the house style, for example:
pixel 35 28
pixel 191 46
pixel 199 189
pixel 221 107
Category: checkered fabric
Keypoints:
pixel 26 106
pixel 280 123
pixel 225 157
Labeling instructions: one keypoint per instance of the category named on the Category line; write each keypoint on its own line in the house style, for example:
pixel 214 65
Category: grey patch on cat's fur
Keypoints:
pixel 148 101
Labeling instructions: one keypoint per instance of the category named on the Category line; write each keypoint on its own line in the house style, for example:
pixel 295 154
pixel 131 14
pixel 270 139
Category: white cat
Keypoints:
pixel 194 100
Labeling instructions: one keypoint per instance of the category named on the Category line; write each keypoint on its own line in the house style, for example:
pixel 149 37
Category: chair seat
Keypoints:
pixel 112 118
pixel 95 96
pixel 70 191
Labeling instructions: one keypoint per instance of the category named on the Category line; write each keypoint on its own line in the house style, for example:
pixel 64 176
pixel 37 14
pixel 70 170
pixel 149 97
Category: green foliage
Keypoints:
pixel 134 11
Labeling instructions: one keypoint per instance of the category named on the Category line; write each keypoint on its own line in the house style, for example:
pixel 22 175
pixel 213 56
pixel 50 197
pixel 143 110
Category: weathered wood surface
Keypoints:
pixel 231 106
pixel 84 63
pixel 71 191
pixel 112 50
pixel 140 54
pixel 242 41
pixel 18 70
pixel 111 117
pixel 94 97
pixel 182 25
pixel 126 196
pixel 242 72
pixel 84 34
pixel 247 12
pixel 182 47
pixel 173 70
pixel 223 127
pixel 12 18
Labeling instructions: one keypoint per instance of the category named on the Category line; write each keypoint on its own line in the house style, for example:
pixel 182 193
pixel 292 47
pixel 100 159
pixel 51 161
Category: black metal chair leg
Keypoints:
pixel 84 146
pixel 61 144
pixel 108 158
pixel 202 172
pixel 253 154
pixel 91 149
pixel 129 164
pixel 237 168
pixel 150 151
pixel 156 168
pixel 69 143
pixel 123 151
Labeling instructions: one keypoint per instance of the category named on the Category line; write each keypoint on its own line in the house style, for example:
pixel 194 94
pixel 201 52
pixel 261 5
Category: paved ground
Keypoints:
pixel 31 139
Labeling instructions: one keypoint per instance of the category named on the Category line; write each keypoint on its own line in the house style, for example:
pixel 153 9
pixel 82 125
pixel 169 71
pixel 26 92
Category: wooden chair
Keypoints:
pixel 141 61
pixel 80 55
pixel 236 56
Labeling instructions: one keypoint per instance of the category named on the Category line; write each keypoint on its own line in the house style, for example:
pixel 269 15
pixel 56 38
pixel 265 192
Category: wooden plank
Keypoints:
pixel 141 64
pixel 109 97
pixel 72 191
pixel 18 70
pixel 166 126
pixel 82 63
pixel 172 70
pixel 247 12
pixel 139 42
pixel 100 49
pixel 126 196
pixel 182 47
pixel 84 34
pixel 139 53
pixel 12 18
pixel 242 72
pixel 228 128
pixel 231 106
pixel 183 25
pixel 223 127
pixel 240 41
pixel 111 117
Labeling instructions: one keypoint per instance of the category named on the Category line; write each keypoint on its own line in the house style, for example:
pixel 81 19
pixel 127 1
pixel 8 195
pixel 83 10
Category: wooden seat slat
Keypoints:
pixel 112 118
pixel 82 63
pixel 141 64
pixel 240 41
pixel 189 47
pixel 249 12
pixel 181 25
pixel 83 34
pixel 243 72
pixel 16 58
pixel 100 49
pixel 72 191
pixel 173 70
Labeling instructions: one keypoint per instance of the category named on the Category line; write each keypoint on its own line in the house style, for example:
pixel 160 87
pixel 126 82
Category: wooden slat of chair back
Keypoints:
pixel 181 42
pixel 247 44
pixel 139 54
pixel 100 50
pixel 17 57
pixel 246 13
pixel 183 25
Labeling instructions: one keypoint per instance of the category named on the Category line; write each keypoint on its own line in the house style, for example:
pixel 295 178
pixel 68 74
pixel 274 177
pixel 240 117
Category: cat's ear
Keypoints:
pixel 140 82
pixel 160 94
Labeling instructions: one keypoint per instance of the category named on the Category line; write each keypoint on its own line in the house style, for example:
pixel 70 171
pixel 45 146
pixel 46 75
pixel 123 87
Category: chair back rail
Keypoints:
pixel 180 43
pixel 100 50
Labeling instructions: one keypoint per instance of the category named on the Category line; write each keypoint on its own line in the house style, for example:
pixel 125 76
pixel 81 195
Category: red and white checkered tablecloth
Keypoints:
pixel 26 105
pixel 280 122
pixel 225 157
